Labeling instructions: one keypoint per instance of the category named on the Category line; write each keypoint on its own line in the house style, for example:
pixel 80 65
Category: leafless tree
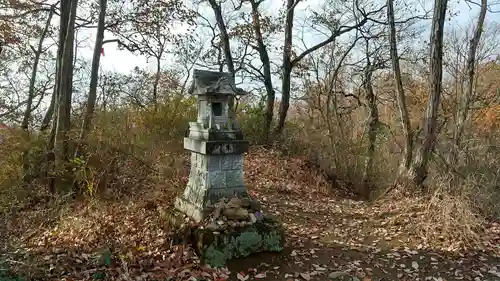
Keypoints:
pixel 419 169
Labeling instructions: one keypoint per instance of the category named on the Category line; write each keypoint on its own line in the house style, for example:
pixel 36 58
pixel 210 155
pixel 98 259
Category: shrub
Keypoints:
pixel 252 120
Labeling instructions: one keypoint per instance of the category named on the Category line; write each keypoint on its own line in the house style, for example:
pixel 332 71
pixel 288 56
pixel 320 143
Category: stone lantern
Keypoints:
pixel 216 144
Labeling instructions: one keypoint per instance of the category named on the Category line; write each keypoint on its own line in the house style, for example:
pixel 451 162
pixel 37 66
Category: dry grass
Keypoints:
pixel 458 201
pixel 452 218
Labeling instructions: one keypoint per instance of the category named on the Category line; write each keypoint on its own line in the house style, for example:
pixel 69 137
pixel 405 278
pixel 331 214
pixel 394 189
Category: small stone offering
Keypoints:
pixel 235 213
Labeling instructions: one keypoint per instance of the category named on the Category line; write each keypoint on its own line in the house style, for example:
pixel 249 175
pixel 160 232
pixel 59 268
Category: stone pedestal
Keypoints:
pixel 216 172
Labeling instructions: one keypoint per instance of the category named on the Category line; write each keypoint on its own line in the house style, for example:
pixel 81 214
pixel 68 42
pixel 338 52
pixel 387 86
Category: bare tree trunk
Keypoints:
pixel 401 98
pixel 419 168
pixel 373 121
pixel 332 91
pixel 264 58
pixel 61 140
pixel 31 90
pixel 184 83
pixel 226 48
pixel 463 110
pixel 50 111
pixel 94 75
pixel 156 82
pixel 103 93
pixel 224 35
pixel 31 95
pixel 287 66
pixel 288 63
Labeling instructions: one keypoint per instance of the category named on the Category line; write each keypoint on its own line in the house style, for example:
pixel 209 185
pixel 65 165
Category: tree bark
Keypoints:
pixel 419 169
pixel 373 121
pixel 264 58
pixel 94 76
pixel 52 112
pixel 156 82
pixel 224 35
pixel 463 110
pixel 331 94
pixel 48 114
pixel 287 66
pixel 226 48
pixel 400 94
pixel 31 95
pixel 63 118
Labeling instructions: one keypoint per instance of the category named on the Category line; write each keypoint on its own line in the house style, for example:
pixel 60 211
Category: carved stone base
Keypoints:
pixel 191 210
pixel 211 178
pixel 218 147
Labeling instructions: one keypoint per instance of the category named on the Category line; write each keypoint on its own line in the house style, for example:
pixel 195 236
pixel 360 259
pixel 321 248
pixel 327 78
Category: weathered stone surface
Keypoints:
pixel 191 209
pixel 197 203
pixel 216 147
pixel 233 214
pixel 252 217
pixel 216 248
pixel 212 177
pixel 207 82
pixel 236 213
pixel 213 134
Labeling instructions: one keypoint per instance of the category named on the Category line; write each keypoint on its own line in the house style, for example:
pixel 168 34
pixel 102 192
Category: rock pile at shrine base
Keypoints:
pixel 234 213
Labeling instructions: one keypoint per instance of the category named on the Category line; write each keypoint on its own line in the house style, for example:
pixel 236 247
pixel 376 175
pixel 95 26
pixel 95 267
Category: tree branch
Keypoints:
pixel 340 31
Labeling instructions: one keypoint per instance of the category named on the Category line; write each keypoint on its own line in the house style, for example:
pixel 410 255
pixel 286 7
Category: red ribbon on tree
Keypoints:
pixel 102 52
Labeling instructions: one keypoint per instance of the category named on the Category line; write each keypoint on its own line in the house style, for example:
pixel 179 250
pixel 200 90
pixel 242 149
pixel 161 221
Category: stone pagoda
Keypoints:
pixel 216 144
pixel 231 223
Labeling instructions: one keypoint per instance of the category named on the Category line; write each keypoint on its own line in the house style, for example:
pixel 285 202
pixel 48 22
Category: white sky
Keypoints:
pixel 124 61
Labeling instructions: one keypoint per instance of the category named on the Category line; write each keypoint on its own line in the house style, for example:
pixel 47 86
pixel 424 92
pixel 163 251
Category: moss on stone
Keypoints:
pixel 214 257
pixel 273 241
pixel 267 235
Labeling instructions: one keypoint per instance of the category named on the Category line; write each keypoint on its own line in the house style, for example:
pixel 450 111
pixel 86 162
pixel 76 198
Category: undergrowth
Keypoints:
pixel 133 149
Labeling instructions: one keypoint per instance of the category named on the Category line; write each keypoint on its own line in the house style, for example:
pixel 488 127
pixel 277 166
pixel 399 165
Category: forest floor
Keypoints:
pixel 327 234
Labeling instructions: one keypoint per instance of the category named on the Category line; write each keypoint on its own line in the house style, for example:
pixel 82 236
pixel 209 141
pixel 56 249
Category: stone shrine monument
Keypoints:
pixel 231 224
pixel 216 144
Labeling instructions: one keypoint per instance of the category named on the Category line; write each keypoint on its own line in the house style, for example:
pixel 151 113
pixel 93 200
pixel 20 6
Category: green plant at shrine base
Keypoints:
pixel 261 237
pixel 5 276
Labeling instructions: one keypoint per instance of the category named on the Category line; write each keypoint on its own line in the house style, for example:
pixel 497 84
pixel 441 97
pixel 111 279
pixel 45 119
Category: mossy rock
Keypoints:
pixel 6 277
pixel 216 249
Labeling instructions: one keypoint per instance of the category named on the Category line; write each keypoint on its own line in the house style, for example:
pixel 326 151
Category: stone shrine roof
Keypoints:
pixel 207 82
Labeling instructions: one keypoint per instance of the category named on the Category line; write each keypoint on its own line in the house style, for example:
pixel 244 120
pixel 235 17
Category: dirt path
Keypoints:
pixel 328 235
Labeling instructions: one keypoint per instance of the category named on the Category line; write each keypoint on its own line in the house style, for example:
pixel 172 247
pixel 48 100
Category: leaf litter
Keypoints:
pixel 328 235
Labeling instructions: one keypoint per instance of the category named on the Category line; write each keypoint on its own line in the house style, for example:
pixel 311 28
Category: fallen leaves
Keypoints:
pixel 305 276
pixel 415 265
pixel 260 275
pixel 242 276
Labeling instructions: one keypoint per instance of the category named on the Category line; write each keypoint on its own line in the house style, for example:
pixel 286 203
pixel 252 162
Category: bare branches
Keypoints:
pixel 489 7
pixel 341 30
pixel 121 44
